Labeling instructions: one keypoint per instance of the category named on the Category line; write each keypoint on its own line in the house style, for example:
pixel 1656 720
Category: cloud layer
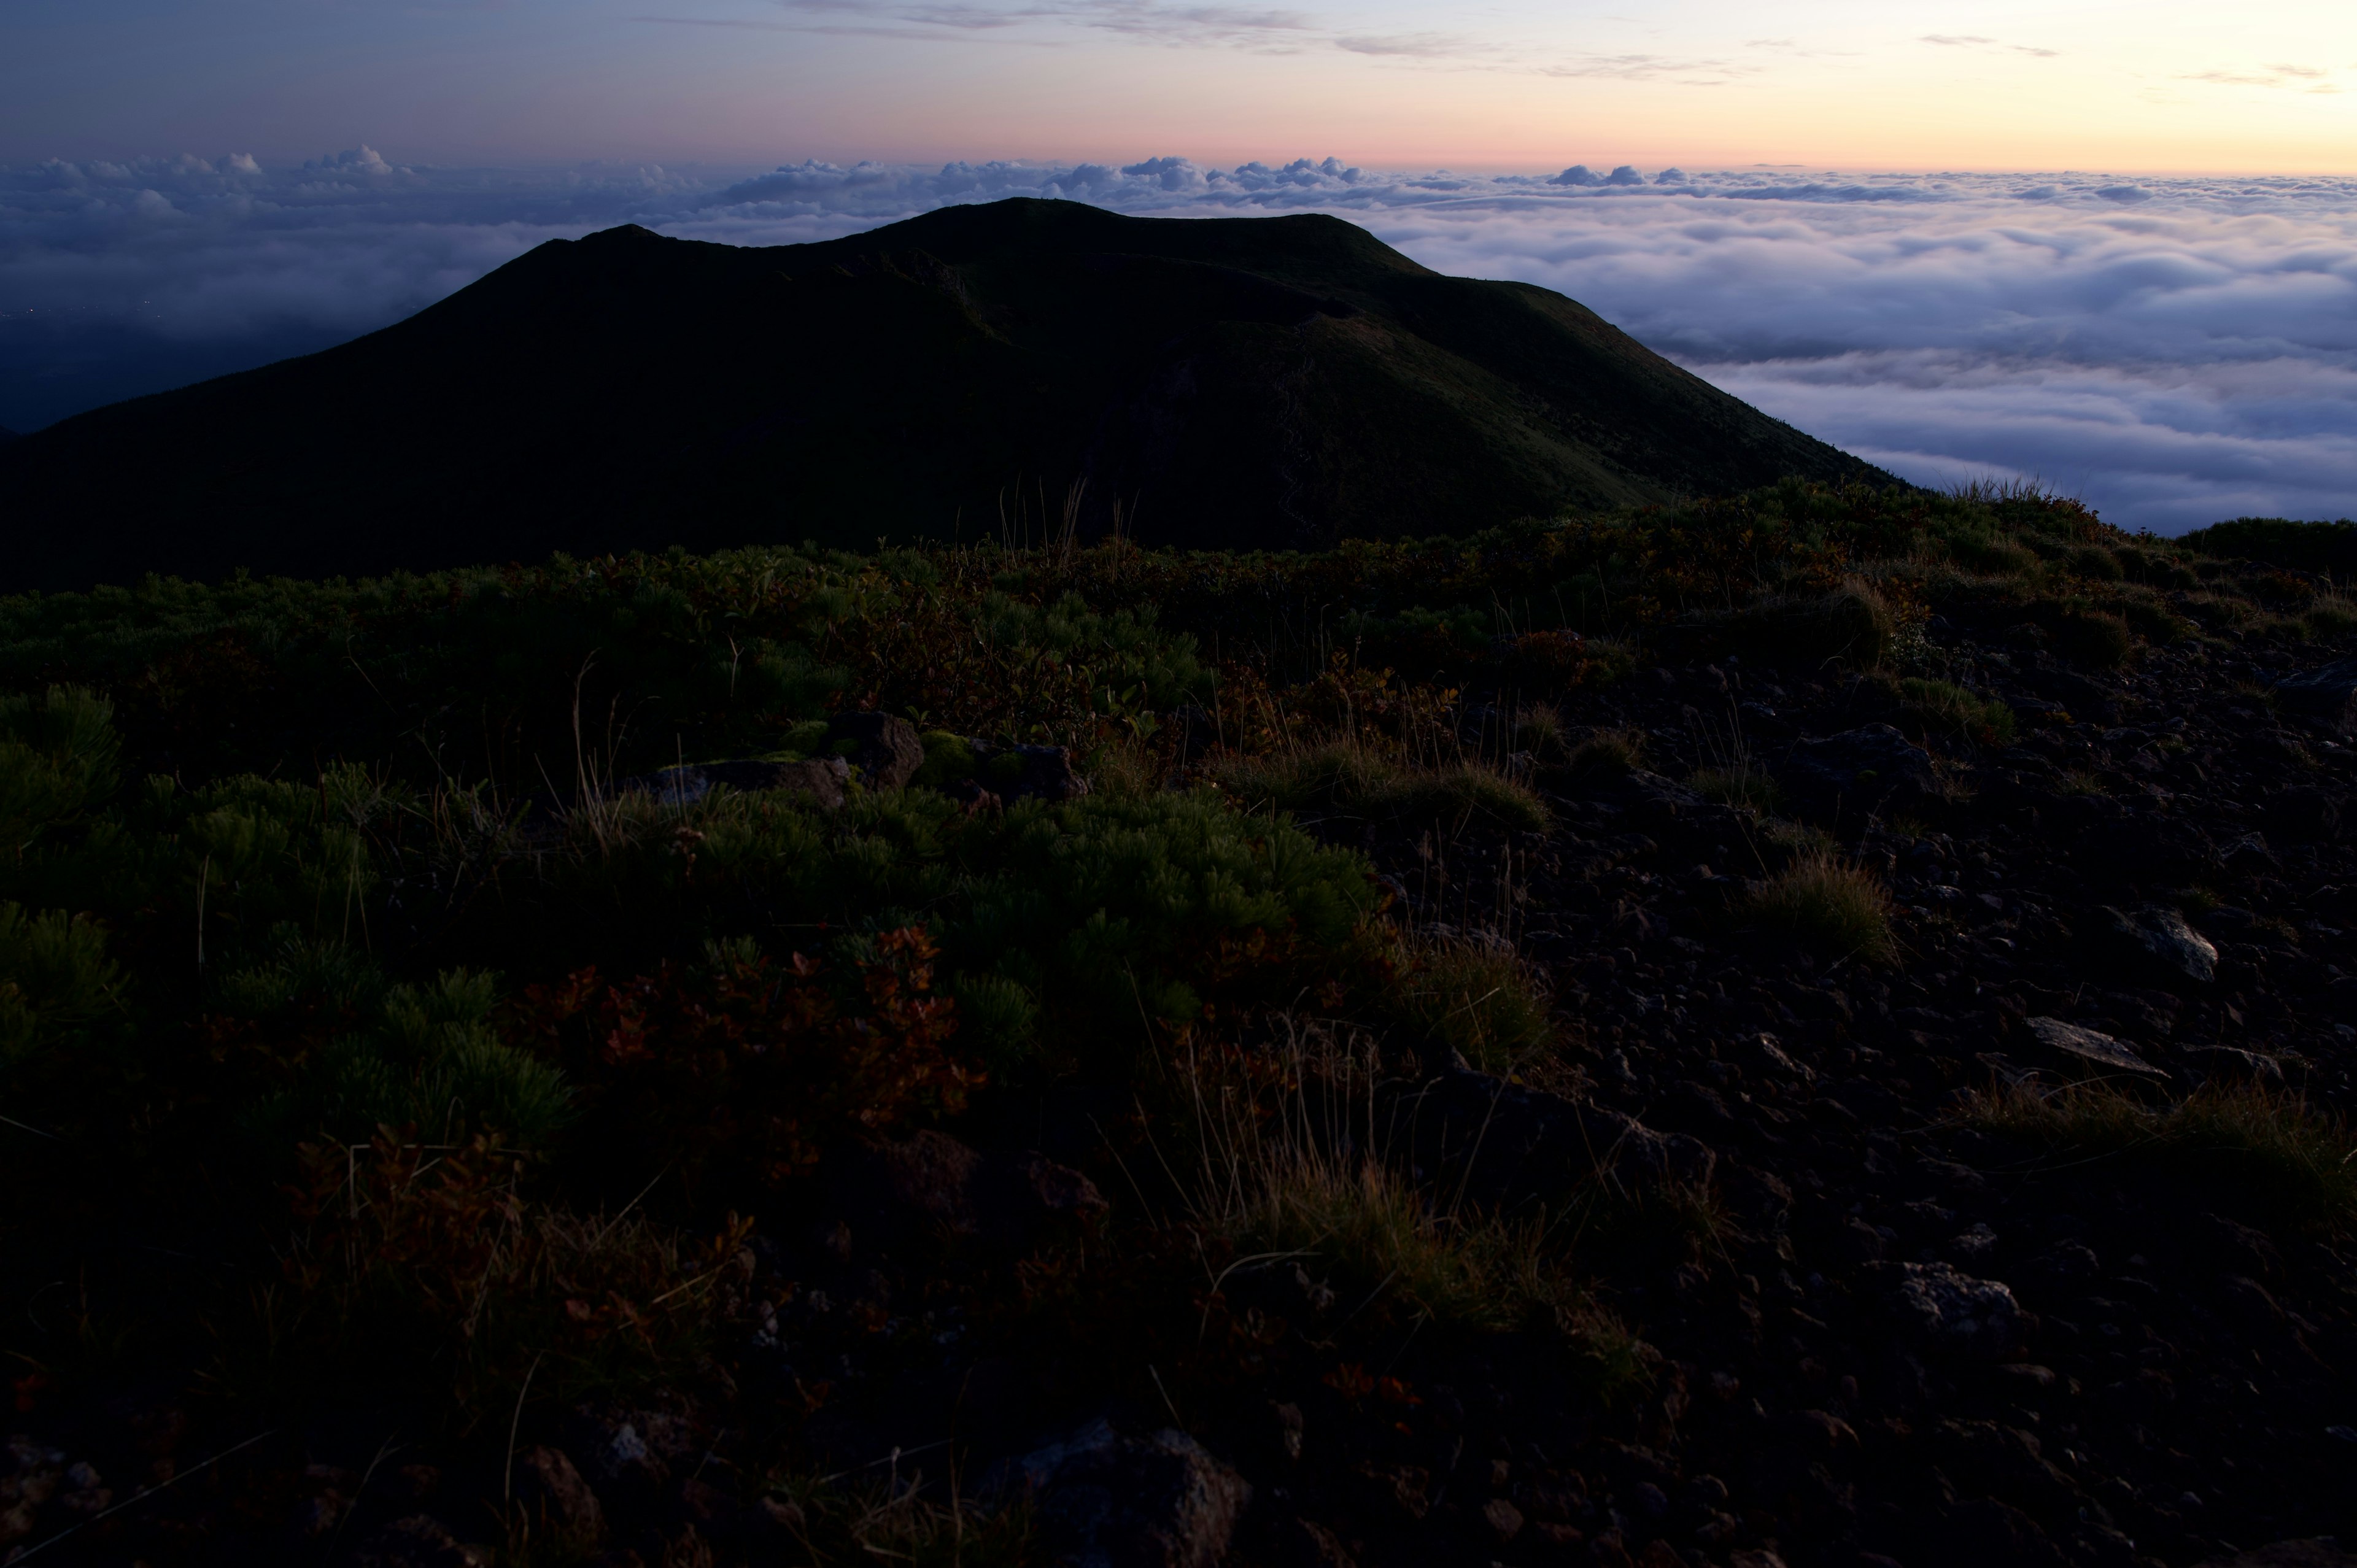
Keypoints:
pixel 2175 351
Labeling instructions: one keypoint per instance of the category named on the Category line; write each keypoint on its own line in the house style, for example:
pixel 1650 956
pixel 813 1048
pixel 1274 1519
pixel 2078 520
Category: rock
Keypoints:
pixel 628 1454
pixel 418 1542
pixel 2321 1551
pixel 1860 771
pixel 1507 1143
pixel 1305 1543
pixel 1103 1500
pixel 2232 1061
pixel 2328 694
pixel 1989 1531
pixel 1504 1519
pixel 822 780
pixel 2303 815
pixel 1955 1313
pixel 2090 1044
pixel 2157 938
pixel 930 1184
pixel 556 1499
pixel 884 748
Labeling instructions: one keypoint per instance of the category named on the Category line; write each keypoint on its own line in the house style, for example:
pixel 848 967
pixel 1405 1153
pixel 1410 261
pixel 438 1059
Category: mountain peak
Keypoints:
pixel 1240 382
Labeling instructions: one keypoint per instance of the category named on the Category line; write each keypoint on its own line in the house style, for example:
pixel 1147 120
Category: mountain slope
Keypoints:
pixel 1245 381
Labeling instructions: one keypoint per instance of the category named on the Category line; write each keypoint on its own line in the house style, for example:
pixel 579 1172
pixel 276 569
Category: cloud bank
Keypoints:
pixel 2175 351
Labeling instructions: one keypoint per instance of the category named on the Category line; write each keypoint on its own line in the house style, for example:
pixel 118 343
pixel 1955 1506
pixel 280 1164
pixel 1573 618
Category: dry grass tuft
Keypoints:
pixel 2269 1145
pixel 1830 903
pixel 1352 777
pixel 1291 1165
pixel 1478 999
pixel 1610 751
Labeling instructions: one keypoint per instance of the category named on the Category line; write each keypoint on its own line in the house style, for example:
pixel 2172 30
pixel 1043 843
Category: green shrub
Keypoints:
pixel 2097 638
pixel 55 980
pixel 1852 624
pixel 2329 547
pixel 2095 562
pixel 58 757
pixel 2153 621
pixel 1990 554
pixel 1831 904
pixel 2140 565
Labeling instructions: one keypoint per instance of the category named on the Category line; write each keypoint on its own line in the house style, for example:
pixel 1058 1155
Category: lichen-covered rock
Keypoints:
pixel 884 748
pixel 1954 1312
pixel 2156 938
pixel 1103 1500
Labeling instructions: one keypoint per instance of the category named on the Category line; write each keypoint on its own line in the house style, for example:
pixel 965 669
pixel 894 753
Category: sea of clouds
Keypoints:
pixel 2174 350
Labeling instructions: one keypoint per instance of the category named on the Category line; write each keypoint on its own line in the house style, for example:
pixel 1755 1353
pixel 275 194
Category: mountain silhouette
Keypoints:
pixel 977 371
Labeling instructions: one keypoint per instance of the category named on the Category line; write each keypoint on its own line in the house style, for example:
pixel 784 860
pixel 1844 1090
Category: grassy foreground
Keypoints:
pixel 362 1049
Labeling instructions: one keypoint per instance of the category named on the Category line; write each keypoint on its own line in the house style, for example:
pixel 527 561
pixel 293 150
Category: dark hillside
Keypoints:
pixel 1232 382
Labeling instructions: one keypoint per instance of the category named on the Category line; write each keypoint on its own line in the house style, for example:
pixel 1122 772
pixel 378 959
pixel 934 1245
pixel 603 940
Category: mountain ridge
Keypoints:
pixel 1016 366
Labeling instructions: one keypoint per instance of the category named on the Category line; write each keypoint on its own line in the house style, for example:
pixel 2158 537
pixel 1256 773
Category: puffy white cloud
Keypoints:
pixel 2174 350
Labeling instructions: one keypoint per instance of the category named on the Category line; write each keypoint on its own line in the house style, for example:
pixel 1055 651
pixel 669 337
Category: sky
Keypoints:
pixel 2136 86
pixel 2111 247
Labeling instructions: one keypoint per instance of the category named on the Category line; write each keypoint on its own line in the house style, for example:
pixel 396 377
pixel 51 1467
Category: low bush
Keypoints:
pixel 408 1255
pixel 1830 903
pixel 2097 638
pixel 1852 623
pixel 56 981
pixel 737 1073
pixel 2095 562
pixel 2329 547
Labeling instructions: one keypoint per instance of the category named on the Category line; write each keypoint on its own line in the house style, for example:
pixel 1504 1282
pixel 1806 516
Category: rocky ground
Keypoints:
pixel 1874 1327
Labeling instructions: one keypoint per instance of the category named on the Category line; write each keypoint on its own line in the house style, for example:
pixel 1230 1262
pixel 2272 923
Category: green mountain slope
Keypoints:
pixel 1266 381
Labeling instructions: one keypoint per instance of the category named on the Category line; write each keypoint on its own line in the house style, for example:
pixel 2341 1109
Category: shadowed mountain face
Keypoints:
pixel 1265 382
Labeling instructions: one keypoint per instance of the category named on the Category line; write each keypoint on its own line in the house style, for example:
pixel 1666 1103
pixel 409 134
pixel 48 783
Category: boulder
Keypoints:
pixel 1105 1501
pixel 884 748
pixel 1859 771
pixel 1955 1313
pixel 556 1499
pixel 2090 1044
pixel 2321 1552
pixel 2157 941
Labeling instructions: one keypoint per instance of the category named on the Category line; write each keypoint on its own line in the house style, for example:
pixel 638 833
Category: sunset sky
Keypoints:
pixel 2157 85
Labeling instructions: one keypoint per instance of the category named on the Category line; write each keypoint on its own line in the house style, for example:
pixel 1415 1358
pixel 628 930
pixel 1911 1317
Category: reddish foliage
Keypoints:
pixel 746 1071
